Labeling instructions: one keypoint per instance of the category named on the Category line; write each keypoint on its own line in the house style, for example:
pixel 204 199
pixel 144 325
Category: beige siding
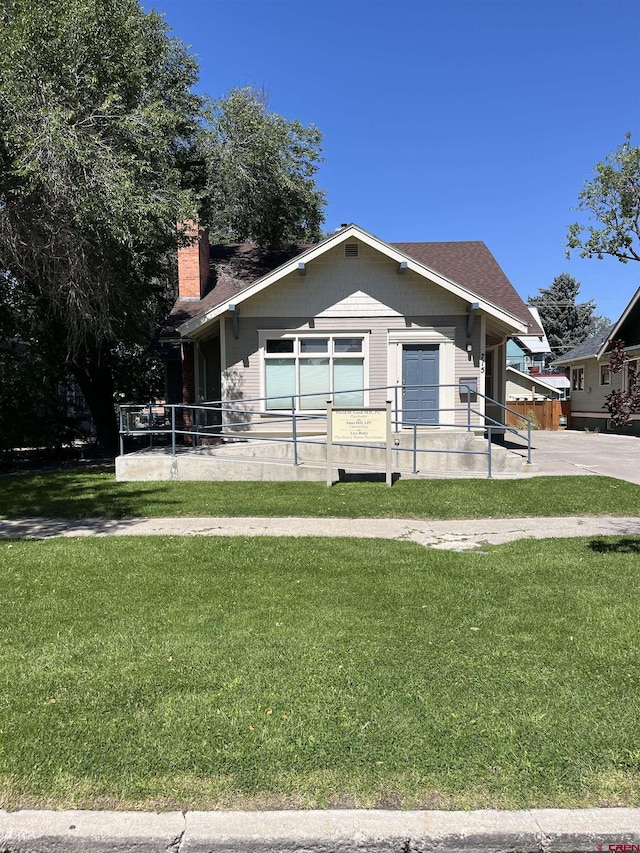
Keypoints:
pixel 591 399
pixel 364 294
pixel 518 388
pixel 243 374
pixel 367 286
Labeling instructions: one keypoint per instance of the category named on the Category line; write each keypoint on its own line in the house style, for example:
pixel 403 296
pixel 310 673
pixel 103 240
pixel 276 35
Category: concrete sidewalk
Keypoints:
pixel 457 534
pixel 528 831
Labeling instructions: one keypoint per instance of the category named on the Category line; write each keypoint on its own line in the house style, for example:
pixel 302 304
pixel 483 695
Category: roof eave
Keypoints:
pixel 532 378
pixel 513 323
pixel 617 326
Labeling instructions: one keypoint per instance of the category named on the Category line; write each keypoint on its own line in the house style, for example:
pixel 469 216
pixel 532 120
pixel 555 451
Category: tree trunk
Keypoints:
pixel 95 378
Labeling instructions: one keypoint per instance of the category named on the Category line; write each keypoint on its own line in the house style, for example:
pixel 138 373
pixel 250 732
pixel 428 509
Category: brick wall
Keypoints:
pixel 193 263
pixel 188 374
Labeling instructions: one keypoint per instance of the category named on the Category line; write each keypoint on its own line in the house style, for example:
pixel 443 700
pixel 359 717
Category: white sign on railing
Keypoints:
pixel 364 425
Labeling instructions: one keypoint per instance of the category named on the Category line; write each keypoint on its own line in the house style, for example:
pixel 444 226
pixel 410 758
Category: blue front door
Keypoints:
pixel 420 377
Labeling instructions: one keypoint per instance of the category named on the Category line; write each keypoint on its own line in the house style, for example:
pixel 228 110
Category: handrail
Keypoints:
pixel 183 420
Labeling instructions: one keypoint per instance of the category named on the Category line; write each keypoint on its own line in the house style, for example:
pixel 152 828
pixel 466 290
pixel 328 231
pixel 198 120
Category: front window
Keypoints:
pixel 312 368
pixel 605 374
pixel 577 379
pixel 632 372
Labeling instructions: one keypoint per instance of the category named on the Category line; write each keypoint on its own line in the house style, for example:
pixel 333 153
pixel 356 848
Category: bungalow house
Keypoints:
pixel 590 375
pixel 347 317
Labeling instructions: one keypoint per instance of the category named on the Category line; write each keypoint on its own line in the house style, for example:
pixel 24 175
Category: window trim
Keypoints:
pixel 297 356
pixel 574 371
pixel 604 383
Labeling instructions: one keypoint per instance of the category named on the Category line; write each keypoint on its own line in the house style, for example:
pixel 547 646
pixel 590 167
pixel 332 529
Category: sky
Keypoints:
pixel 444 119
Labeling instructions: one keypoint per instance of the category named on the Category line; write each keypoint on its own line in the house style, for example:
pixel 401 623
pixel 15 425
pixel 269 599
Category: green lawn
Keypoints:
pixel 199 673
pixel 92 494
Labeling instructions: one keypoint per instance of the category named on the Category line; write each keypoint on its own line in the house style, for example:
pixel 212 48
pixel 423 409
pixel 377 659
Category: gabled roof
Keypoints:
pixel 626 328
pixel 233 267
pixel 589 348
pixel 466 269
pixel 471 264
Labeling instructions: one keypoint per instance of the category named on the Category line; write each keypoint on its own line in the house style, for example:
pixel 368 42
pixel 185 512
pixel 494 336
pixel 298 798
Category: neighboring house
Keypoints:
pixel 559 381
pixel 348 314
pixel 589 374
pixel 528 386
pixel 529 353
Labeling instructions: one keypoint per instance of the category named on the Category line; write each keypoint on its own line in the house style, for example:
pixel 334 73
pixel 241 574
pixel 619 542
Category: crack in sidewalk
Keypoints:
pixel 176 845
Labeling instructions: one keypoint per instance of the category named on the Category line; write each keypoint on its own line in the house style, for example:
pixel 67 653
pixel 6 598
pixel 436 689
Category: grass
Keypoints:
pixel 97 495
pixel 196 673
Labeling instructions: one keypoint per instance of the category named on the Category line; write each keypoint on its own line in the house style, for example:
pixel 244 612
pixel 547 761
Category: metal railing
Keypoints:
pixel 256 418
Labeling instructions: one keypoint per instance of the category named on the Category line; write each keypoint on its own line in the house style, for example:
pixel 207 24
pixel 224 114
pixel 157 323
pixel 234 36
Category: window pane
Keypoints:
pixel 314 345
pixel 577 379
pixel 281 379
pixel 280 345
pixel 314 379
pixel 348 380
pixel 347 345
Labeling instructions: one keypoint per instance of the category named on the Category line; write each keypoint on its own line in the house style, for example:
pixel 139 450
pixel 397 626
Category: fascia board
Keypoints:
pixel 191 326
pixel 578 359
pixel 617 326
pixel 199 320
pixel 444 282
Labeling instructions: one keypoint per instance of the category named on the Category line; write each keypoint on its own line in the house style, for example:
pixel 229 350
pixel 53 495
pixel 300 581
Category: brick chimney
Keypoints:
pixel 193 262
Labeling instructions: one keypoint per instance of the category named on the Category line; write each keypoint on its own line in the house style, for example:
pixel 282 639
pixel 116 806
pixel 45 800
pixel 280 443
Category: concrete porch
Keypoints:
pixel 436 453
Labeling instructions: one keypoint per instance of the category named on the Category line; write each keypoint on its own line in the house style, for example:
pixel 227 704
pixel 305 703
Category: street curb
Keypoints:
pixel 528 831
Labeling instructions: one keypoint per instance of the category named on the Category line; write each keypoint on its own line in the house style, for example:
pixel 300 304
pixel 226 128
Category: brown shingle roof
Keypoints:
pixel 232 268
pixel 468 263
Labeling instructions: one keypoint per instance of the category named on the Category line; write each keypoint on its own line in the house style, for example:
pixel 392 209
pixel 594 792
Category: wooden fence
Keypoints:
pixel 543 414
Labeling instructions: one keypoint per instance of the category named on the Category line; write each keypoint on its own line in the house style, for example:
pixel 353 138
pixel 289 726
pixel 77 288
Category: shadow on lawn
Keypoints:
pixel 78 494
pixel 626 545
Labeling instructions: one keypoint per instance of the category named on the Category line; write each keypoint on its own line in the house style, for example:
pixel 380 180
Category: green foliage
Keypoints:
pixel 103 148
pixel 622 403
pixel 97 121
pixel 97 118
pixel 261 171
pixel 565 322
pixel 31 411
pixel 612 199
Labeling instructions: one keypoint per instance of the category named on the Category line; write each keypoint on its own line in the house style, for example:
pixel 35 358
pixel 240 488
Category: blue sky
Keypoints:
pixel 445 119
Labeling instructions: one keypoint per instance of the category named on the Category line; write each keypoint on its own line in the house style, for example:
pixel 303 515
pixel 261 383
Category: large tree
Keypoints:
pixel 566 322
pixel 103 148
pixel 612 199
pixel 97 121
pixel 261 170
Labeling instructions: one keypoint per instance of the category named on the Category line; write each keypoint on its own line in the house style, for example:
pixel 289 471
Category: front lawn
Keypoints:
pixel 97 495
pixel 205 673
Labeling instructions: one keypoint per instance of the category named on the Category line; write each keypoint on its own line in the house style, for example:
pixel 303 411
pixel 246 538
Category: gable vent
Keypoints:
pixel 351 250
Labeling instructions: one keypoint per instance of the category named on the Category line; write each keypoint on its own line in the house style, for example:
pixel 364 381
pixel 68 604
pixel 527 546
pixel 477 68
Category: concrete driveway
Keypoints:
pixel 573 452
